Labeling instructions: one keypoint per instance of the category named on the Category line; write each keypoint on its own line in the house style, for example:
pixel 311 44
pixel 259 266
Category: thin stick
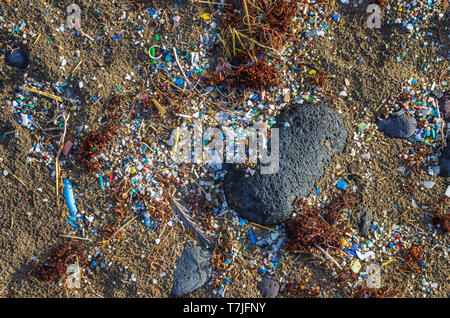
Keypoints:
pixel 267 228
pixel 160 108
pixel 59 99
pixel 121 228
pixel 262 45
pixel 87 36
pixel 79 63
pixel 75 237
pixel 57 181
pixel 37 39
pixel 15 176
pixel 210 2
pixel 328 255
pixel 182 71
pixel 247 17
pixel 61 145
pixel 176 141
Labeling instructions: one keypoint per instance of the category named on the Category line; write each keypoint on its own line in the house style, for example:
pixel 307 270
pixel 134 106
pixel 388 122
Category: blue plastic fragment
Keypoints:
pixel 100 176
pixel 72 224
pixel 147 219
pixel 70 200
pixel 252 236
pixel 352 253
pixel 341 185
pixel 179 82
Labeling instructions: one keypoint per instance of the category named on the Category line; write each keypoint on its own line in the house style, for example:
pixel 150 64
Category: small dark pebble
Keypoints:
pixel 363 218
pixel 437 92
pixel 444 107
pixel 445 161
pixel 17 58
pixel 366 221
pixel 193 270
pixel 400 126
pixel 269 286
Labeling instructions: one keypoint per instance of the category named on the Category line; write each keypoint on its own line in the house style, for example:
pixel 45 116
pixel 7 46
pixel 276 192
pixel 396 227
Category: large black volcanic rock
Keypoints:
pixel 316 132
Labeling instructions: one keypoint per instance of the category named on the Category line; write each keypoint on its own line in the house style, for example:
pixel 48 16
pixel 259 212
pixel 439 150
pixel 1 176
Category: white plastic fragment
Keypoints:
pixel 373 278
pixel 429 184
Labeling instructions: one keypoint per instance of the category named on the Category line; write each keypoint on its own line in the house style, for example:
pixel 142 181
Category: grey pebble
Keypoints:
pixel 437 92
pixel 269 287
pixel 444 107
pixel 192 271
pixel 365 222
pixel 400 126
pixel 445 161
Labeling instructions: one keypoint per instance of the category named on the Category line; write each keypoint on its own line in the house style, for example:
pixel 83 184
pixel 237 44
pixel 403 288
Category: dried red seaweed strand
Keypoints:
pixel 305 232
pixel 381 3
pixel 336 206
pixel 61 257
pixel 441 215
pixel 259 75
pixel 384 292
pixel 92 145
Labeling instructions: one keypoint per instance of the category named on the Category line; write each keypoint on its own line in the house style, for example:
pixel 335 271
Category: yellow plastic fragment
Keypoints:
pixel 355 265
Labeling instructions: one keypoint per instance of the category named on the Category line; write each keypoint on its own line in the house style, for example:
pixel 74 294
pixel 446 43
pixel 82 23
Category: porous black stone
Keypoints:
pixel 316 132
pixel 192 271
pixel 400 126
